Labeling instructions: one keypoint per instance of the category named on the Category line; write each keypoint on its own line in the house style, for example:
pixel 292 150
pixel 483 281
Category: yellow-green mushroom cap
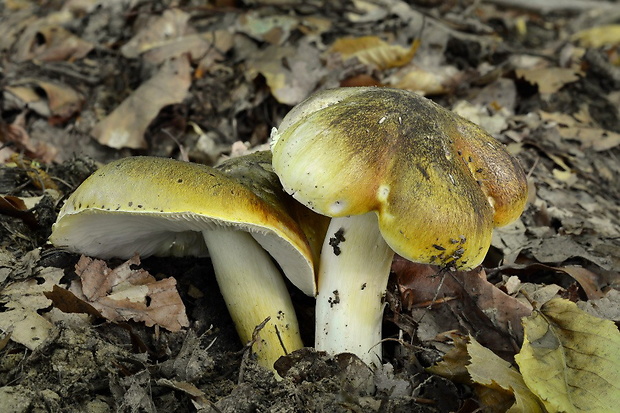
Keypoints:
pixel 158 206
pixel 437 182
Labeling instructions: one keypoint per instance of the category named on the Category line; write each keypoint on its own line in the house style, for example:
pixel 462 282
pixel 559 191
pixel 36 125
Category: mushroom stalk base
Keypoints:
pixel 253 290
pixel 354 270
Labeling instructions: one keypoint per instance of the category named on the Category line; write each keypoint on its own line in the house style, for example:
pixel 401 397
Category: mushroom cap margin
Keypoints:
pixel 159 206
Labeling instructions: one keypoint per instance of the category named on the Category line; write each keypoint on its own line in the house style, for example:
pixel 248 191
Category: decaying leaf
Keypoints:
pixel 571 359
pixel 607 307
pixel 15 207
pixel 126 125
pixel 583 131
pixel 16 134
pixel 427 82
pixel 372 50
pixel 207 47
pixel 292 73
pixel 453 366
pixel 551 79
pixel 489 370
pixel 39 177
pixel 124 294
pixel 158 30
pixel 51 43
pixel 482 308
pixel 595 37
pixel 22 301
pixel 48 99
pixel 274 29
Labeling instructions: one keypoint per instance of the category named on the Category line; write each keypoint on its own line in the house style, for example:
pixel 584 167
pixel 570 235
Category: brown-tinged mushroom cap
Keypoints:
pixel 157 206
pixel 438 183
pixel 396 172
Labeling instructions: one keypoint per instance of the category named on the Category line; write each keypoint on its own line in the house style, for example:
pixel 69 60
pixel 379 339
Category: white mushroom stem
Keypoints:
pixel 253 290
pixel 353 275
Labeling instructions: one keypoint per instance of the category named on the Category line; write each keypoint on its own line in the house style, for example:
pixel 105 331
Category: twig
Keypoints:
pixel 247 350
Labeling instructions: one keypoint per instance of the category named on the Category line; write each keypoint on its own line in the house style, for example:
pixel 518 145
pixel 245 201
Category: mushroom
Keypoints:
pixel 237 213
pixel 397 173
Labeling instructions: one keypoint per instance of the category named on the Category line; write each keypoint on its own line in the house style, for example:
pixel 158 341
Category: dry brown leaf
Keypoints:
pixel 15 207
pixel 16 134
pixel 483 309
pixel 426 82
pixel 126 125
pixel 158 31
pixel 371 50
pixel 274 29
pixel 453 366
pixel 589 281
pixel 550 79
pixel 292 73
pixel 67 302
pixel 35 171
pixel 607 307
pixel 207 47
pixel 589 135
pixel 123 294
pixel 53 44
pixel 48 99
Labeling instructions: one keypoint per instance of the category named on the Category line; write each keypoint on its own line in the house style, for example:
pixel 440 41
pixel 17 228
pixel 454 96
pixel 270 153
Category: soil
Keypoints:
pixel 572 218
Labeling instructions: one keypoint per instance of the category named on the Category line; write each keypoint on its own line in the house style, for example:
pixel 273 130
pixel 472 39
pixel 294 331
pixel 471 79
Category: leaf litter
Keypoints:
pixel 203 82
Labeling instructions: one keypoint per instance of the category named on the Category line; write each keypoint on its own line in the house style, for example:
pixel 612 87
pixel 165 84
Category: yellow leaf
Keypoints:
pixel 571 359
pixel 488 369
pixel 374 51
pixel 608 35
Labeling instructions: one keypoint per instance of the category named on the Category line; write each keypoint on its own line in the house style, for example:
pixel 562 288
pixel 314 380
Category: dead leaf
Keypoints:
pixel 510 240
pixel 359 80
pixel 192 361
pixel 22 300
pixel 371 50
pixel 124 294
pixel 589 281
pixel 454 362
pixel 157 31
pixel 366 11
pixel 35 171
pixel 67 302
pixel 15 207
pixel 494 122
pixel 52 43
pixel 273 29
pixel 292 73
pixel 571 359
pixel 16 133
pixel 48 99
pixel 595 37
pixel 549 79
pixel 208 48
pixel 482 308
pixel 607 307
pixel 588 134
pixel 489 370
pixel 126 125
pixel 439 81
